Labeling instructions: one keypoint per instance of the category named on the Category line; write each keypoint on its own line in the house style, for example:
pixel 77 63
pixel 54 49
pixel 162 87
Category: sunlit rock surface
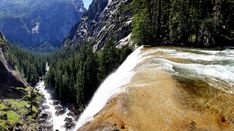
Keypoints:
pixel 170 89
pixel 105 20
pixel 9 77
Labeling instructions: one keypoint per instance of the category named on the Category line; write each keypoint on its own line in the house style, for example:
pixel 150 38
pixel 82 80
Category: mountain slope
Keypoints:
pixel 30 23
pixel 105 20
pixel 188 23
pixel 8 78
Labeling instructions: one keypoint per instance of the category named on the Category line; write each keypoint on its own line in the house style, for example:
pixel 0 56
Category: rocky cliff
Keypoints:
pixel 9 78
pixel 32 23
pixel 105 20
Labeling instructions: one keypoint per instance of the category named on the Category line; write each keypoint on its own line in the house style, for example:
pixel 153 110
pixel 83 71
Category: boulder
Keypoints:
pixel 44 107
pixel 60 112
pixel 69 123
pixel 56 102
pixel 58 107
pixel 45 115
pixel 71 114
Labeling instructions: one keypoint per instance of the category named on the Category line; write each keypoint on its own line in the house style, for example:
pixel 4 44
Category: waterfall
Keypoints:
pixel 111 86
pixel 212 66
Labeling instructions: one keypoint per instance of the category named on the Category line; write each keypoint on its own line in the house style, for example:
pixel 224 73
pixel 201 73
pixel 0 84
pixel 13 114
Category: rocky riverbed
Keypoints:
pixel 54 116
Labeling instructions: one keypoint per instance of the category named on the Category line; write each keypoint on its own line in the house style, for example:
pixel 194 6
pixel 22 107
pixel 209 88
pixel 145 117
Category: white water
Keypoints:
pixel 111 86
pixel 212 66
pixel 57 120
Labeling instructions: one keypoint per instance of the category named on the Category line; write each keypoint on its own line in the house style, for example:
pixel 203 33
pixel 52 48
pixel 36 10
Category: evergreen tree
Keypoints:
pixel 76 78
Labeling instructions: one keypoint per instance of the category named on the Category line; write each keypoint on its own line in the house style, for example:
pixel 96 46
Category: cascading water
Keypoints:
pixel 212 66
pixel 55 113
pixel 111 86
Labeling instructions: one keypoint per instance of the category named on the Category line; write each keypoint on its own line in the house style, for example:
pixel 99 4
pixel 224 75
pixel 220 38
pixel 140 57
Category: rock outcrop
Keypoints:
pixel 9 78
pixel 104 21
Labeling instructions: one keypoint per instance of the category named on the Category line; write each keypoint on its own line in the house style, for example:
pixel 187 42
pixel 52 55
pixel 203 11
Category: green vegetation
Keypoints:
pixel 31 66
pixel 75 78
pixel 23 111
pixel 189 22
pixel 13 112
pixel 76 71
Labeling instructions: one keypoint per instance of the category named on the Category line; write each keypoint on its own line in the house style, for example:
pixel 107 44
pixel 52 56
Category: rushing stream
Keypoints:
pixel 214 67
pixel 54 116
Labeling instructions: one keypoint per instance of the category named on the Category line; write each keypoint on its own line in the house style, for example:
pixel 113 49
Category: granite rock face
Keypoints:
pixel 32 23
pixel 9 78
pixel 105 20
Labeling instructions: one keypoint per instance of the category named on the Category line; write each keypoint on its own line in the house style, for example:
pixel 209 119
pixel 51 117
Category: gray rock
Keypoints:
pixel 56 102
pixel 60 112
pixel 39 23
pixel 58 107
pixel 71 114
pixel 45 115
pixel 103 20
pixel 69 123
pixel 45 107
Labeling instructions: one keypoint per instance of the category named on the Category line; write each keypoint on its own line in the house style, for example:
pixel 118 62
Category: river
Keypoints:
pixel 54 116
pixel 215 68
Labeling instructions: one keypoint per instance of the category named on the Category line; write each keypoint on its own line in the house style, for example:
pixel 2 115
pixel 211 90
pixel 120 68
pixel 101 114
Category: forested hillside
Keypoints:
pixel 183 22
pixel 194 85
pixel 30 65
pixel 76 71
pixel 75 76
pixel 19 103
pixel 40 24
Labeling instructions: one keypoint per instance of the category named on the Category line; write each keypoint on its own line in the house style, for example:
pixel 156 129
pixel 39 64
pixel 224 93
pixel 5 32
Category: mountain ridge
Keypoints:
pixel 32 23
pixel 9 77
pixel 106 20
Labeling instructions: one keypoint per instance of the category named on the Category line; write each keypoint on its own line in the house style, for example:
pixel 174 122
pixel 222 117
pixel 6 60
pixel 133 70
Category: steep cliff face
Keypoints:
pixel 31 23
pixel 105 20
pixel 9 78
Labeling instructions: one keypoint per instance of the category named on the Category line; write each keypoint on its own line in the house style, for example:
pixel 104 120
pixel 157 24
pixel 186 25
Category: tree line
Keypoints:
pixel 75 78
pixel 186 22
pixel 30 65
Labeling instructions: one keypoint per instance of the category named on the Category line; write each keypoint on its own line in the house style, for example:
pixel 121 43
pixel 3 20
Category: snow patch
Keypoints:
pixel 36 28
